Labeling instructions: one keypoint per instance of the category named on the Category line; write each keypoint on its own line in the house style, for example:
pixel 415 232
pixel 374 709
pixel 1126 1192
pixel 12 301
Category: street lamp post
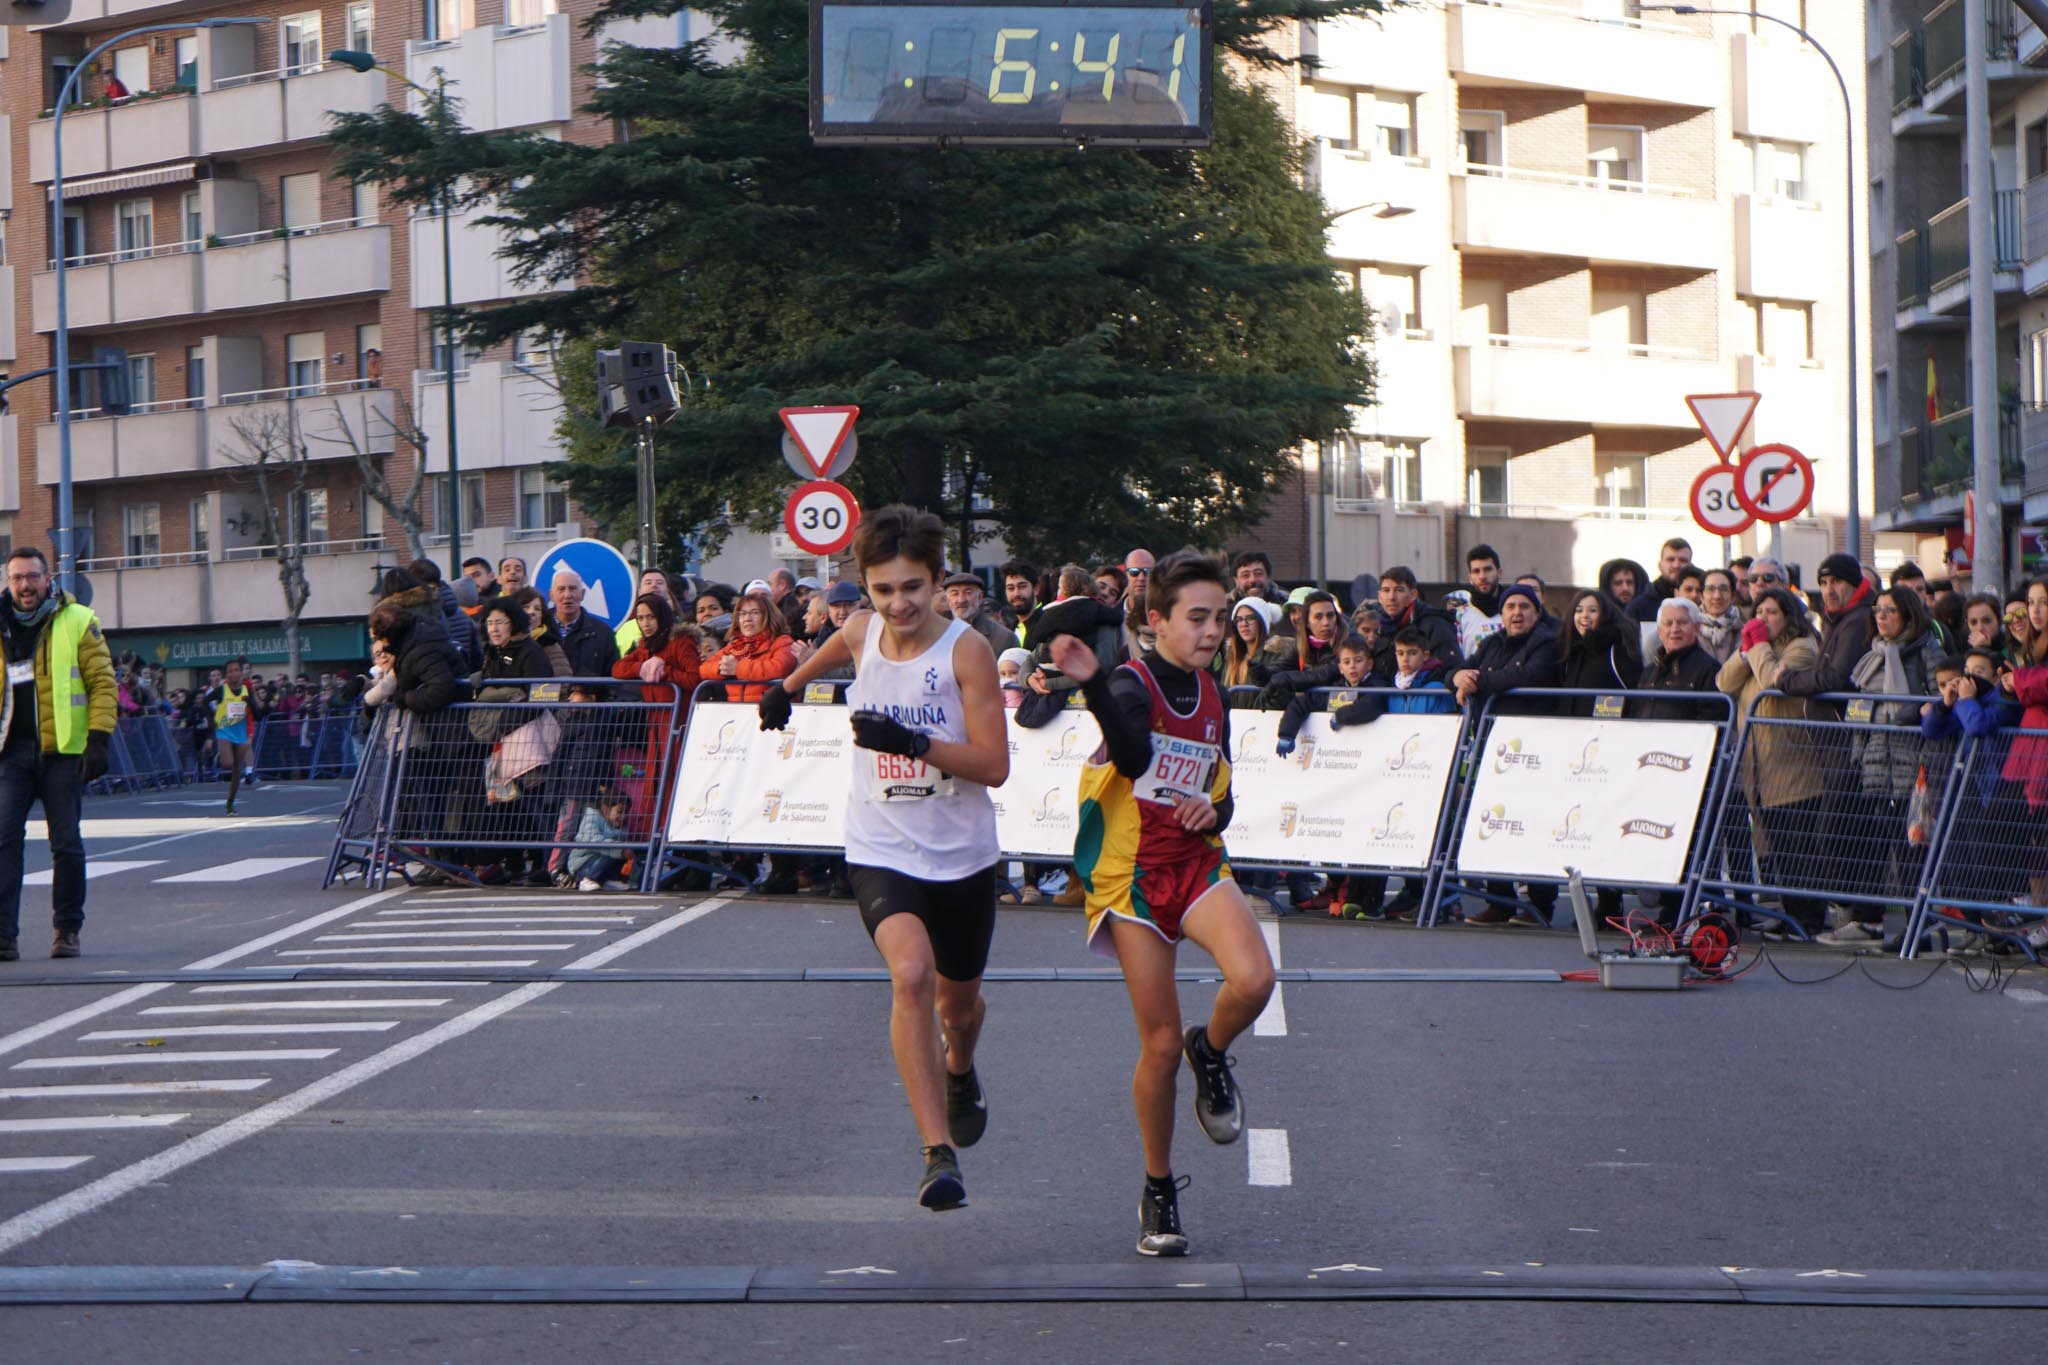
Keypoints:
pixel 1849 210
pixel 67 558
pixel 366 62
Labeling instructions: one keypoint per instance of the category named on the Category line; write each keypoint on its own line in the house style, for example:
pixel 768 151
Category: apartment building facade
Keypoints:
pixel 1567 215
pixel 258 294
pixel 1923 365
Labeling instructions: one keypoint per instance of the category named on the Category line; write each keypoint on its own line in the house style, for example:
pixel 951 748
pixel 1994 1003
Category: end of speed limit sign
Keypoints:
pixel 820 517
pixel 1714 503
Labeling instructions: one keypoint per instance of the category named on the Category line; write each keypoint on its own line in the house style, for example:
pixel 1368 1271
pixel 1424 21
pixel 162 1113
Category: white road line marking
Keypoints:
pixel 1266 1149
pixel 357 936
pixel 241 870
pixel 210 826
pixel 246 988
pixel 122 1035
pixel 1272 1020
pixel 379 922
pixel 590 900
pixel 2025 995
pixel 35 1033
pixel 21 1165
pixel 266 1006
pixel 438 963
pixel 280 1054
pixel 32 1223
pixel 87 1123
pixel 425 948
pixel 65 1092
pixel 95 869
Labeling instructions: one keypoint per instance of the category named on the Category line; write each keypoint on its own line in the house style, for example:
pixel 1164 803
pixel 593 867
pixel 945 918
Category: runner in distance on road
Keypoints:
pixel 930 739
pixel 1149 849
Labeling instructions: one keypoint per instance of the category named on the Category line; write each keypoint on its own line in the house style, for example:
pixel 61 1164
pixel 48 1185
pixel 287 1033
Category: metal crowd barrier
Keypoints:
pixel 1988 872
pixel 142 755
pixel 361 837
pixel 1821 807
pixel 1620 785
pixel 306 746
pixel 507 784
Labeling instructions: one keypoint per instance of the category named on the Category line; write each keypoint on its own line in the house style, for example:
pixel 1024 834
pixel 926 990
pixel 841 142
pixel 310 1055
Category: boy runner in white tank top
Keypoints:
pixel 931 738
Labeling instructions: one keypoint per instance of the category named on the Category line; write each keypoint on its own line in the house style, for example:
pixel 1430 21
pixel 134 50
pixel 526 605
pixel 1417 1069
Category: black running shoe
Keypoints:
pixel 942 1188
pixel 1219 1108
pixel 966 1108
pixel 1159 1231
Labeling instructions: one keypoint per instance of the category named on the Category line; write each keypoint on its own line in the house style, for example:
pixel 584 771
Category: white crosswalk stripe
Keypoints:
pixel 94 870
pixel 441 964
pixel 301 1054
pixel 121 1035
pixel 246 987
pixel 360 937
pixel 241 870
pixel 591 900
pixel 113 1088
pixel 511 919
pixel 88 1123
pixel 267 1006
pixel 435 948
pixel 23 1165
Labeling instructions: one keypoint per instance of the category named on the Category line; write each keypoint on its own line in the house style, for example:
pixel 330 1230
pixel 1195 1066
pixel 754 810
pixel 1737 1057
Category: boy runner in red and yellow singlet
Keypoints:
pixel 1154 802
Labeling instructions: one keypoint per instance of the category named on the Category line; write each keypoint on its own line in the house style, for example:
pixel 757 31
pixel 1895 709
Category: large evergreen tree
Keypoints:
pixel 1072 350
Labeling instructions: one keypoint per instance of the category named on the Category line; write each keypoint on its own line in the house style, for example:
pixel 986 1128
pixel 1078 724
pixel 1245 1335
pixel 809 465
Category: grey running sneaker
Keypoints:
pixel 966 1108
pixel 1159 1231
pixel 1219 1108
pixel 942 1188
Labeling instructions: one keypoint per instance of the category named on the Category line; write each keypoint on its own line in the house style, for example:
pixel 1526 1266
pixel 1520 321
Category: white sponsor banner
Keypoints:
pixel 1617 799
pixel 1364 796
pixel 739 784
pixel 1038 809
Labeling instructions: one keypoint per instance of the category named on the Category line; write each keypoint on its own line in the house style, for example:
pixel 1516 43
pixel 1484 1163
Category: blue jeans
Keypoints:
pixel 57 782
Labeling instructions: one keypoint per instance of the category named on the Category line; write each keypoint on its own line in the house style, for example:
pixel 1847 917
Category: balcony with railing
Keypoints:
pixel 1936 460
pixel 193 435
pixel 114 288
pixel 148 128
pixel 2034 451
pixel 506 75
pixel 290 104
pixel 1659 60
pixel 1944 47
pixel 340 259
pixel 1948 252
pixel 1541 213
pixel 1513 377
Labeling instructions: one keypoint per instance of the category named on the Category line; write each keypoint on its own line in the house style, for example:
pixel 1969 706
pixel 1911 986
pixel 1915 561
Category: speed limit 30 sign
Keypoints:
pixel 1715 505
pixel 820 517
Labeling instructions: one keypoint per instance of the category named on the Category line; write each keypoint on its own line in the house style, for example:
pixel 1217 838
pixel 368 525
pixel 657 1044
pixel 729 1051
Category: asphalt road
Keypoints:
pixel 1476 1130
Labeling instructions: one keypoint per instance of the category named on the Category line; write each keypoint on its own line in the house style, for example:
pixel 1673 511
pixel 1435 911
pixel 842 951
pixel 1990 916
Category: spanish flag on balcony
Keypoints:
pixel 1933 390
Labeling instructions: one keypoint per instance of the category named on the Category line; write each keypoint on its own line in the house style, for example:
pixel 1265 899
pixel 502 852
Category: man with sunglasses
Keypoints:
pixel 1138 571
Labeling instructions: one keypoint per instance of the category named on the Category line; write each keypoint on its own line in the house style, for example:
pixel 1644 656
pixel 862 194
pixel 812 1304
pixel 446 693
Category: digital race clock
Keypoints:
pixel 1131 74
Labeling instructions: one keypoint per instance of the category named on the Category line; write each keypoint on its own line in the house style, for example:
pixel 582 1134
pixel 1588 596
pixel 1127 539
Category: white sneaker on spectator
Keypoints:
pixel 589 884
pixel 1964 942
pixel 1854 935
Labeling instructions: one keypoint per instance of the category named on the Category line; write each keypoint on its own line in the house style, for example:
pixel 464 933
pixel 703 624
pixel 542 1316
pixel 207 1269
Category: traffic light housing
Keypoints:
pixel 636 382
pixel 117 398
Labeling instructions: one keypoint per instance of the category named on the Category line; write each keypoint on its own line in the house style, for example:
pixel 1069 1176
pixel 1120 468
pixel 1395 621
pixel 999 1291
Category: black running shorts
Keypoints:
pixel 959 916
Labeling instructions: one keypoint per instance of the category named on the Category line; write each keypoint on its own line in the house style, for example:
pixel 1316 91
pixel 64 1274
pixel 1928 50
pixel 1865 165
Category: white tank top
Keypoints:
pixel 905 814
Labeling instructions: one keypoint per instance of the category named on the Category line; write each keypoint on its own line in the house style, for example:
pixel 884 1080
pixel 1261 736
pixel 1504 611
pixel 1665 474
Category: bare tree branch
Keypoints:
pixel 403 426
pixel 273 457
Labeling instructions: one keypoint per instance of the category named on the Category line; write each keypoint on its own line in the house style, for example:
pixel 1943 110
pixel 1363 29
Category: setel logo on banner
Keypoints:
pixel 608 580
pixel 1616 799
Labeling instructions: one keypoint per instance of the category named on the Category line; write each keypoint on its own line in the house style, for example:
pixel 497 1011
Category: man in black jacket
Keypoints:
pixel 1680 664
pixel 588 642
pixel 1845 596
pixel 1674 556
pixel 1523 653
pixel 1401 605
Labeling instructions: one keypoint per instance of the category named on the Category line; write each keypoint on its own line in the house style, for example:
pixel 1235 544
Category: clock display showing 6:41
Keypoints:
pixel 1129 74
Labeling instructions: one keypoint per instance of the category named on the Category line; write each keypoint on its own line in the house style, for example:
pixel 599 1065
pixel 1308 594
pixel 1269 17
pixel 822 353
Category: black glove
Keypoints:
pixel 1276 696
pixel 886 735
pixel 94 764
pixel 774 708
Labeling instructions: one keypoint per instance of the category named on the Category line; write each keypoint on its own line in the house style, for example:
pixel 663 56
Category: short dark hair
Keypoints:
pixel 1954 663
pixel 1479 552
pixel 1244 557
pixel 1692 571
pixel 1905 572
pixel 29 552
pixel 901 531
pixel 1354 644
pixel 396 581
pixel 1415 637
pixel 514 559
pixel 1401 574
pixel 1019 568
pixel 1993 655
pixel 1541 586
pixel 1741 562
pixel 1677 543
pixel 1179 570
pixel 425 570
pixel 489 567
pixel 513 612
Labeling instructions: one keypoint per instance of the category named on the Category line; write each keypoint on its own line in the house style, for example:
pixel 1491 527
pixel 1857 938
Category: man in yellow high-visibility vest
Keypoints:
pixel 56 720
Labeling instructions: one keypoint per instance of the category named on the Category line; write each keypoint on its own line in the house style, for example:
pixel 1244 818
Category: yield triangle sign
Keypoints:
pixel 819 432
pixel 1723 417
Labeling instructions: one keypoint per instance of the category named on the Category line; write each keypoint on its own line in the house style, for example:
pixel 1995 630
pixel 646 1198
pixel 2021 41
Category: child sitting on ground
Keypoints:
pixel 604 822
